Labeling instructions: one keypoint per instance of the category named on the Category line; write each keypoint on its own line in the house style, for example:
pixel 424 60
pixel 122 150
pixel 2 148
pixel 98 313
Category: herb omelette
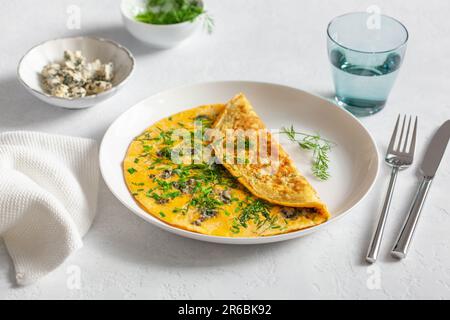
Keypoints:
pixel 197 194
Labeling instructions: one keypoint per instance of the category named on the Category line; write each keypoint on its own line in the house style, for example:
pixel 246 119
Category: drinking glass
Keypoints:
pixel 366 51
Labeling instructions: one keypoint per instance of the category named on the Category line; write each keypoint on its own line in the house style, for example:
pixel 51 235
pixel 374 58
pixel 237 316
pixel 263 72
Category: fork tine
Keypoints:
pixel 413 139
pixel 394 134
pixel 401 134
pixel 405 144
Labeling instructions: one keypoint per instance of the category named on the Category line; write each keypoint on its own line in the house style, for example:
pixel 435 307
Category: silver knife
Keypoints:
pixel 431 161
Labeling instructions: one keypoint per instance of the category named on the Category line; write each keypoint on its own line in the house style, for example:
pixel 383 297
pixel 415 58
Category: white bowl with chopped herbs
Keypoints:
pixel 75 73
pixel 164 23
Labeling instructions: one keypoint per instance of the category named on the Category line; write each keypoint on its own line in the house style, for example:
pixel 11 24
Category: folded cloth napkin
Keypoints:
pixel 48 197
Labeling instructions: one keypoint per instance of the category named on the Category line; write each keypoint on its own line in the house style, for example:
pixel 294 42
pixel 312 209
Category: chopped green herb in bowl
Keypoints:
pixel 164 12
pixel 164 24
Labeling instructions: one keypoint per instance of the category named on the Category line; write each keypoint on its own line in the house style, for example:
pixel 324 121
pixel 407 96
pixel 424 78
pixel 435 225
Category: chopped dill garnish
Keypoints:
pixel 255 210
pixel 164 185
pixel 171 195
pixel 166 137
pixel 165 152
pixel 205 201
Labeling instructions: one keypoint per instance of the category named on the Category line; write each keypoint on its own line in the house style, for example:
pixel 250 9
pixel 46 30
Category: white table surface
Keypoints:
pixel 279 41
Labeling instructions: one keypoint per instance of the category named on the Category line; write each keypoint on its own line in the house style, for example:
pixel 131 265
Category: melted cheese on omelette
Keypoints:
pixel 196 194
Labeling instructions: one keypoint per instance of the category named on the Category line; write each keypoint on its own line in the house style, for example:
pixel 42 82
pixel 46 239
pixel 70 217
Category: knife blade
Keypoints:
pixel 432 159
pixel 436 150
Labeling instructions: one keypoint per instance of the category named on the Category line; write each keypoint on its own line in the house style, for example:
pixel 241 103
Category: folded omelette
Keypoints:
pixel 176 172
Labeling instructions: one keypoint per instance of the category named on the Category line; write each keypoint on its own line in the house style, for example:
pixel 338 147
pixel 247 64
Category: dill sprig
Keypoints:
pixel 208 22
pixel 320 147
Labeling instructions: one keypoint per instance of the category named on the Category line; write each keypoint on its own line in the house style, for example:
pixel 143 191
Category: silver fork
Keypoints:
pixel 398 158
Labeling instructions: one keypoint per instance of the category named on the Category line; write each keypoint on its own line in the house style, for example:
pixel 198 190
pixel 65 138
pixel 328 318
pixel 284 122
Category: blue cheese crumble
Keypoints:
pixel 75 77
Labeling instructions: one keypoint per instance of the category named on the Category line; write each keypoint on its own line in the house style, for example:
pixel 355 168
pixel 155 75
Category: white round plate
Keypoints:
pixel 354 159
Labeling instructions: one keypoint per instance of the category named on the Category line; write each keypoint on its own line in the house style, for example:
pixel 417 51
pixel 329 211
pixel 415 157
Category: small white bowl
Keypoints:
pixel 30 67
pixel 158 36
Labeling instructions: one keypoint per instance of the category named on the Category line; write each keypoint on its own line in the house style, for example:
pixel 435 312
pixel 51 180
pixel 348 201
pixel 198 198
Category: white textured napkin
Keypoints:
pixel 48 197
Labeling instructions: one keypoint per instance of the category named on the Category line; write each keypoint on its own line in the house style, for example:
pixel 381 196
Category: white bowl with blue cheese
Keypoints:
pixel 75 73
